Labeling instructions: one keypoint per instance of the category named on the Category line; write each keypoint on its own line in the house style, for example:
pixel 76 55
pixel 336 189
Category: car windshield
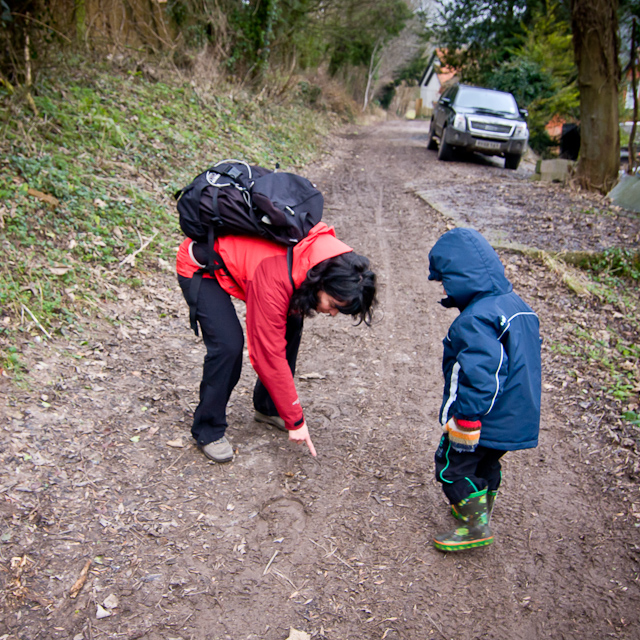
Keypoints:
pixel 489 100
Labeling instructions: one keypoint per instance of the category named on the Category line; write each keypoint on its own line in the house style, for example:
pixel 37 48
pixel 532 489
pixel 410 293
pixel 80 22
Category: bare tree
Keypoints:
pixel 374 65
pixel 388 57
pixel 595 40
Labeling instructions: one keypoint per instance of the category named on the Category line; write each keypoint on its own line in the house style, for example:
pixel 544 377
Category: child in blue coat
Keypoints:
pixel 492 381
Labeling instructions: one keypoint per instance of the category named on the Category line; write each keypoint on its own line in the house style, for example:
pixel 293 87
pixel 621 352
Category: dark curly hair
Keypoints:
pixel 345 277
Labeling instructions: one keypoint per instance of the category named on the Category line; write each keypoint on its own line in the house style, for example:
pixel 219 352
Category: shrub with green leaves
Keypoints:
pixel 617 262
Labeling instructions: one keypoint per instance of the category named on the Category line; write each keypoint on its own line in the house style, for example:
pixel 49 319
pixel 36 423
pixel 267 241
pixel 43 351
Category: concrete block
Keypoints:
pixel 626 193
pixel 557 170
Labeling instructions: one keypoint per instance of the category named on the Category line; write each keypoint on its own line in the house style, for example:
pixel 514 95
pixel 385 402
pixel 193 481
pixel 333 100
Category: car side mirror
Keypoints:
pixel 445 100
pixel 524 113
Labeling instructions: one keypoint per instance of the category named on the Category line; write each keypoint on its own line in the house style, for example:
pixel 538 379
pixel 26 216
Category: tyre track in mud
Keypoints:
pixel 386 227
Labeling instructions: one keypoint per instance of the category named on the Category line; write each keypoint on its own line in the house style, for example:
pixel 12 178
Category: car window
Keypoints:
pixel 490 100
pixel 449 93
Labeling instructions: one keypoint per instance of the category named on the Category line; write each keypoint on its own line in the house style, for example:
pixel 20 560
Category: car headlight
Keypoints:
pixel 521 131
pixel 459 122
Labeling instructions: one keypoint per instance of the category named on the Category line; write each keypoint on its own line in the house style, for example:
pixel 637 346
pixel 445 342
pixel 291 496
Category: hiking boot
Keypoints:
pixel 474 530
pixel 491 498
pixel 219 450
pixel 274 421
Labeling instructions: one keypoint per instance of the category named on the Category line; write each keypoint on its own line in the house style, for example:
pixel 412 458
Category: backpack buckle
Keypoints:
pixel 233 173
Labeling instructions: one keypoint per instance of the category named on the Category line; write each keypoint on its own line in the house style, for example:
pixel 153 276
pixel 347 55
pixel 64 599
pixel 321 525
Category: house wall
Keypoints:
pixel 430 94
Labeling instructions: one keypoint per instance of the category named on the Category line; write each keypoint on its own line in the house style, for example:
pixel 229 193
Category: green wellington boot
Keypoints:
pixel 474 530
pixel 491 499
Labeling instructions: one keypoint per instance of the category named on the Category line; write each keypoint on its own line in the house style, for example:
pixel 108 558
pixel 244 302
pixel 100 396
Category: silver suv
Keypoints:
pixel 482 120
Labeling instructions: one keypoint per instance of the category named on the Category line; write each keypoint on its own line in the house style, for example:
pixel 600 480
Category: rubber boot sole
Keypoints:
pixel 461 546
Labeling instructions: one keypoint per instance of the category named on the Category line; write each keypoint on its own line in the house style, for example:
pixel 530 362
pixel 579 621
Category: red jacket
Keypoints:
pixel 260 269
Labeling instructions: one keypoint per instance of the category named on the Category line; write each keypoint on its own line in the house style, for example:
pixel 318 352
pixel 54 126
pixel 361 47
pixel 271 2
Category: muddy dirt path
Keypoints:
pixel 98 465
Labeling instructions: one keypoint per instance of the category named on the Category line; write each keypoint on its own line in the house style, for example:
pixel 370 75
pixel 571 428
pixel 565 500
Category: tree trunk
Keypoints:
pixel 634 89
pixel 595 41
pixel 80 15
pixel 373 68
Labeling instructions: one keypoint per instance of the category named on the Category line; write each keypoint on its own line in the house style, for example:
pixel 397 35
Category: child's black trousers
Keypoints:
pixel 464 473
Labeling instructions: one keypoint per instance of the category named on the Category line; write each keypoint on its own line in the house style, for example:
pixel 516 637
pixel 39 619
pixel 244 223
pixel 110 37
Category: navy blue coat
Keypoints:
pixel 491 361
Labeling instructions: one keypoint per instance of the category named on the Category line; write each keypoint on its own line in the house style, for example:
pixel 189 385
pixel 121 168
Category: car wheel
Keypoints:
pixel 511 160
pixel 445 150
pixel 432 145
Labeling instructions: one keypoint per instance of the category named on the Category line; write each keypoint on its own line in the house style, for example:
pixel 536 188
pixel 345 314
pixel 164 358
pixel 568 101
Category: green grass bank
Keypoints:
pixel 88 170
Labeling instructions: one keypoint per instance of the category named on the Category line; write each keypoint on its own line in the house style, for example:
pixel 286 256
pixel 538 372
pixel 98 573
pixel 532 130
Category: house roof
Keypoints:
pixel 429 70
pixel 444 74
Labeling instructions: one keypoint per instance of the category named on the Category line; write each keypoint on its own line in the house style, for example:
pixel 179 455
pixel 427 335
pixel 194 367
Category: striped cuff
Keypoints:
pixel 464 435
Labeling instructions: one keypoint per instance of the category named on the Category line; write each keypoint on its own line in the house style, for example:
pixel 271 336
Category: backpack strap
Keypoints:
pixel 194 289
pixel 290 266
pixel 214 262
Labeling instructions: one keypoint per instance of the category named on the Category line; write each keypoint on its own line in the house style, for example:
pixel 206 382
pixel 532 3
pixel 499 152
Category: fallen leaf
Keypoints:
pixel 101 612
pixel 294 634
pixel 176 444
pixel 59 271
pixel 111 601
pixel 45 197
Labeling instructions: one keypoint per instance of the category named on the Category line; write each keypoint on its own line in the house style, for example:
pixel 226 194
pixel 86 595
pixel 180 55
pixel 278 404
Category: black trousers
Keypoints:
pixel 464 473
pixel 223 338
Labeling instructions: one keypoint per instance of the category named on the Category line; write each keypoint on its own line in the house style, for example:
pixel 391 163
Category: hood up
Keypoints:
pixel 467 266
pixel 320 244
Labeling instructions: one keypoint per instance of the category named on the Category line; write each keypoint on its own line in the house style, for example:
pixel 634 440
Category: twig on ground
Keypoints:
pixel 273 557
pixel 318 545
pixel 332 553
pixel 279 573
pixel 82 578
pixel 344 562
pixel 130 259
pixel 436 625
pixel 175 461
pixel 7 488
pixel 46 333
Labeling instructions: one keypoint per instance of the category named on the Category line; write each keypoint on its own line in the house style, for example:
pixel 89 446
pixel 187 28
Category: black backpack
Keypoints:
pixel 235 198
